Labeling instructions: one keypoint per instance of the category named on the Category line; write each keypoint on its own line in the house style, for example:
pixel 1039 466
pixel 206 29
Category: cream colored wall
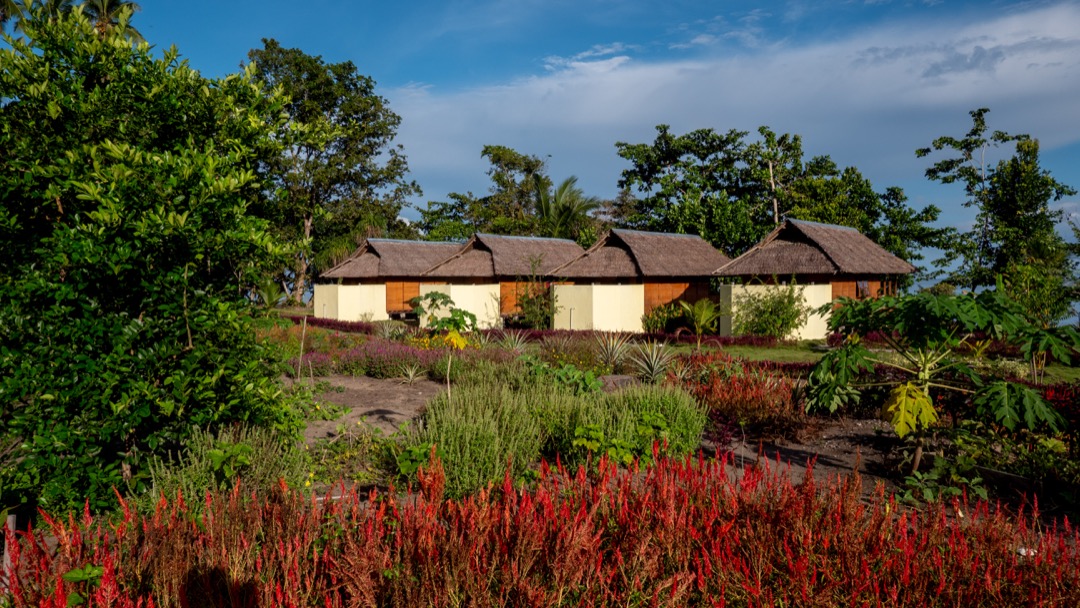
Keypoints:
pixel 618 307
pixel 481 300
pixel 362 302
pixel 353 302
pixel 600 307
pixel 574 307
pixel 325 300
pixel 816 326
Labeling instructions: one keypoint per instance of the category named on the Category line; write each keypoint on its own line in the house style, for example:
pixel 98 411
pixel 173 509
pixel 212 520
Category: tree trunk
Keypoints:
pixel 772 188
pixel 300 272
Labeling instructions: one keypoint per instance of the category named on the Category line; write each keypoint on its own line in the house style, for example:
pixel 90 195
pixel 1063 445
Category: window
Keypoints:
pixel 862 289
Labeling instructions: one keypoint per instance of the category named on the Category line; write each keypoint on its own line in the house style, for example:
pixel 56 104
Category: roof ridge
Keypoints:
pixel 655 233
pixel 829 256
pixel 521 237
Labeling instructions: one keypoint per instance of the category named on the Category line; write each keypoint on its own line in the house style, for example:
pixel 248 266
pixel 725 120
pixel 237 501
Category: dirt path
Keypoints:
pixel 384 404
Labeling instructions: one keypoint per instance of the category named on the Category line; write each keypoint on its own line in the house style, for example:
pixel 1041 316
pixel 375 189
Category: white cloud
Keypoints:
pixel 868 100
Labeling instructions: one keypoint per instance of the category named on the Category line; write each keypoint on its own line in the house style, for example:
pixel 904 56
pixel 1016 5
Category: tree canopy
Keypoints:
pixel 1015 231
pixel 509 207
pixel 340 178
pixel 731 192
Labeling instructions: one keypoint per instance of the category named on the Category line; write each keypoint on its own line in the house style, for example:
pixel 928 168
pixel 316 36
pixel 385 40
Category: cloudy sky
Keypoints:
pixel 866 82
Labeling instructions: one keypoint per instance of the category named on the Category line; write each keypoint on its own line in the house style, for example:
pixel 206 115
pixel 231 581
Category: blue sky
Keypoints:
pixel 865 82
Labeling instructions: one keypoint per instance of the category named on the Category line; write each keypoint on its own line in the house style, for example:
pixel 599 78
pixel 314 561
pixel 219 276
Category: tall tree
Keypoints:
pixel 109 14
pixel 562 212
pixel 776 164
pixel 1014 223
pixel 341 178
pixel 695 183
pixel 507 209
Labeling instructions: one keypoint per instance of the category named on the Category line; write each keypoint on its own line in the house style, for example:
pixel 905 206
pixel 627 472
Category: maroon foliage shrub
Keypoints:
pixel 740 393
pixel 680 533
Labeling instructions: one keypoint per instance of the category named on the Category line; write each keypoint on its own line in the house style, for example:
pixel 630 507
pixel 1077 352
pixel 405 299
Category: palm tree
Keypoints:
pixel 9 10
pixel 20 10
pixel 564 210
pixel 106 14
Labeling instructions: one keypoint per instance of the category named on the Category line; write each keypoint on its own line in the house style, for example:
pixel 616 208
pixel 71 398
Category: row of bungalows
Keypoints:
pixel 609 287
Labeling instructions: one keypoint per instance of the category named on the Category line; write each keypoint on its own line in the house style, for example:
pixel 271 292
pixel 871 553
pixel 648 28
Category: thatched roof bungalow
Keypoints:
pixel 628 273
pixel 508 261
pixel 670 266
pixel 378 279
pixel 815 253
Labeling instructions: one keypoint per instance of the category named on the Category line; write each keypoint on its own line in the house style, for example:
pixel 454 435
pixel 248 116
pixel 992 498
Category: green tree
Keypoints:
pixel 342 179
pixel 1014 222
pixel 776 164
pixel 564 211
pixel 109 14
pixel 509 208
pixel 824 193
pixel 126 183
pixel 695 184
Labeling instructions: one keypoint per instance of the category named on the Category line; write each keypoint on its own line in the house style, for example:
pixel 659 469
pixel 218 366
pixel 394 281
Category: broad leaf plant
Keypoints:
pixel 929 332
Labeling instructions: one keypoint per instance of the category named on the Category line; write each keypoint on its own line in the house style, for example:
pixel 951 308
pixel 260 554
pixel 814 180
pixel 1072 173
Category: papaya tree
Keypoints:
pixel 930 332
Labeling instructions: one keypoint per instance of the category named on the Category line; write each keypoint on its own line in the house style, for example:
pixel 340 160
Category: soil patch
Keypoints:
pixel 384 404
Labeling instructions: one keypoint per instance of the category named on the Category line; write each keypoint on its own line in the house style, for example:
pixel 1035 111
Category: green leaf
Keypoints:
pixel 910 408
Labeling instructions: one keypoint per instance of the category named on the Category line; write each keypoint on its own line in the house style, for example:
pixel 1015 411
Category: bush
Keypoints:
pixel 480 431
pixel 662 319
pixel 685 533
pixel 130 234
pixel 736 392
pixel 258 459
pixel 777 312
pixel 379 358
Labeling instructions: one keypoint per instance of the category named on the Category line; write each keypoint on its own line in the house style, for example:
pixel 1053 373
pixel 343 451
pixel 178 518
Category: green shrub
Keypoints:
pixel 662 319
pixel 131 231
pixel 256 458
pixel 776 312
pixel 480 430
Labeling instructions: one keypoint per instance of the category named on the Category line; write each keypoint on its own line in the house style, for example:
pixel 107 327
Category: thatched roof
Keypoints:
pixel 498 256
pixel 379 258
pixel 631 254
pixel 798 247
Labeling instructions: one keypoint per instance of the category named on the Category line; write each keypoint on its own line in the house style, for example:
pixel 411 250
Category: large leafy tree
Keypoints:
pixel 695 183
pixel 1014 223
pixel 732 192
pixel 825 193
pixel 341 179
pixel 509 207
pixel 126 184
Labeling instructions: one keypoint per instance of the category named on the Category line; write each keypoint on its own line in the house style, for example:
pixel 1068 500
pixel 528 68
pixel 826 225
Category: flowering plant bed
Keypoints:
pixel 688 532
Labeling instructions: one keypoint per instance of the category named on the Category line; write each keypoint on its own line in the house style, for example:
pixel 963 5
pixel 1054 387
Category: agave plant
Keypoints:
pixel 482 339
pixel 612 348
pixel 514 340
pixel 651 361
pixel 390 330
pixel 410 373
